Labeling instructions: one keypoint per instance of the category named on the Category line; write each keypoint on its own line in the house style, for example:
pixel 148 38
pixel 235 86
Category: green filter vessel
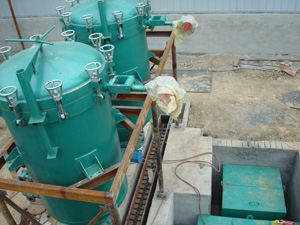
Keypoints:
pixel 122 23
pixel 64 129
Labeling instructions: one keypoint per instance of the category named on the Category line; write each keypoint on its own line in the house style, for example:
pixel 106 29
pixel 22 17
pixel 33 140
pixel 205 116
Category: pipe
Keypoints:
pixel 102 12
pixel 15 22
pixel 169 23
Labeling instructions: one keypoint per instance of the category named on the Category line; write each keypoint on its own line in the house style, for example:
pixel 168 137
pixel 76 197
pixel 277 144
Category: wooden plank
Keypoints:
pixel 128 125
pixel 129 110
pixel 158 33
pixel 108 175
pixel 133 96
pixel 115 188
pixel 56 191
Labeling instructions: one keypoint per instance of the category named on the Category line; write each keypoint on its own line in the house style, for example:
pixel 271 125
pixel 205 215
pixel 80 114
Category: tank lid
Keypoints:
pixel 63 61
pixel 91 7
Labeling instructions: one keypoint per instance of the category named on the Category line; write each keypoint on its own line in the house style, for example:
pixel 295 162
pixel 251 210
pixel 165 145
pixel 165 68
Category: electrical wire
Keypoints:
pixel 188 160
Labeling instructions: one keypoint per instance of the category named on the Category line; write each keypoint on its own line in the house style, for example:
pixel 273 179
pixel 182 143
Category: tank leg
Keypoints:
pixel 156 134
pixel 114 214
pixel 6 213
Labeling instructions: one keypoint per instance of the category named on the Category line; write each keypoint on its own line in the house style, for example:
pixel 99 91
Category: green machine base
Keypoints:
pixel 219 220
pixel 253 192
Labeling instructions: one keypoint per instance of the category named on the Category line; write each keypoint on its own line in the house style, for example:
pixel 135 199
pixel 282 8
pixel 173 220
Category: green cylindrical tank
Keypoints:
pixel 56 149
pixel 129 39
pixel 131 51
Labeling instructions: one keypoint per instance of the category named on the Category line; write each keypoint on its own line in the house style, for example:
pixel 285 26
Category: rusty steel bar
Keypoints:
pixel 159 33
pixel 18 209
pixel 6 213
pixel 133 96
pixel 15 22
pixel 174 61
pixel 157 53
pixel 128 125
pixel 129 110
pixel 165 55
pixel 114 214
pixel 103 210
pixel 174 67
pixel 107 175
pixel 156 138
pixel 56 191
pixel 117 183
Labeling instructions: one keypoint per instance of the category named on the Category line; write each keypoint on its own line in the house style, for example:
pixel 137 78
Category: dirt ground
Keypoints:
pixel 243 104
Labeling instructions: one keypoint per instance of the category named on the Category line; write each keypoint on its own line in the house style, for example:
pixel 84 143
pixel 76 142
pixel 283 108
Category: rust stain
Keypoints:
pixel 268 185
pixel 63 192
pixel 60 73
pixel 229 203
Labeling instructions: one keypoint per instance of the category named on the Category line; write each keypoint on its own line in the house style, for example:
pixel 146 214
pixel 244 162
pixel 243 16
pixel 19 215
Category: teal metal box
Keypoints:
pixel 254 192
pixel 218 220
pixel 214 220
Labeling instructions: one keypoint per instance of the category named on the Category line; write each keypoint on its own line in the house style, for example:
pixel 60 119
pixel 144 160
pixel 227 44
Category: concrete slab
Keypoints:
pixel 181 199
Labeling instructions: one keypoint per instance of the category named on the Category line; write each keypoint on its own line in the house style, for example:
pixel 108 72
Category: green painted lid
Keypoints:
pixel 252 176
pixel 64 61
pixel 91 7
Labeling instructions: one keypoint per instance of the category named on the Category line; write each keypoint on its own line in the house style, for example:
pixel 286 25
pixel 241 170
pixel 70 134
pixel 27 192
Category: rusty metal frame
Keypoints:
pixel 81 191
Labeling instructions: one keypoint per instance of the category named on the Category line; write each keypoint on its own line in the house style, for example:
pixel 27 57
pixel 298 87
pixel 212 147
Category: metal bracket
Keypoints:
pixel 14 160
pixel 156 21
pixel 90 165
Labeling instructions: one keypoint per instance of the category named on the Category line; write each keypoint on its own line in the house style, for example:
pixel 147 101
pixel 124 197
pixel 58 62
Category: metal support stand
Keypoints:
pixel 156 136
pixel 6 213
pixel 174 67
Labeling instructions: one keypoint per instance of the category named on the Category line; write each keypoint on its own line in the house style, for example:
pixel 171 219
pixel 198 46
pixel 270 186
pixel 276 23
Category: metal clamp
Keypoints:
pixel 6 52
pixel 70 3
pixel 54 87
pixel 11 95
pixel 92 69
pixel 119 18
pixel 108 52
pixel 67 18
pixel 36 37
pixel 141 9
pixel 69 35
pixel 96 40
pixel 88 19
pixel 60 10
